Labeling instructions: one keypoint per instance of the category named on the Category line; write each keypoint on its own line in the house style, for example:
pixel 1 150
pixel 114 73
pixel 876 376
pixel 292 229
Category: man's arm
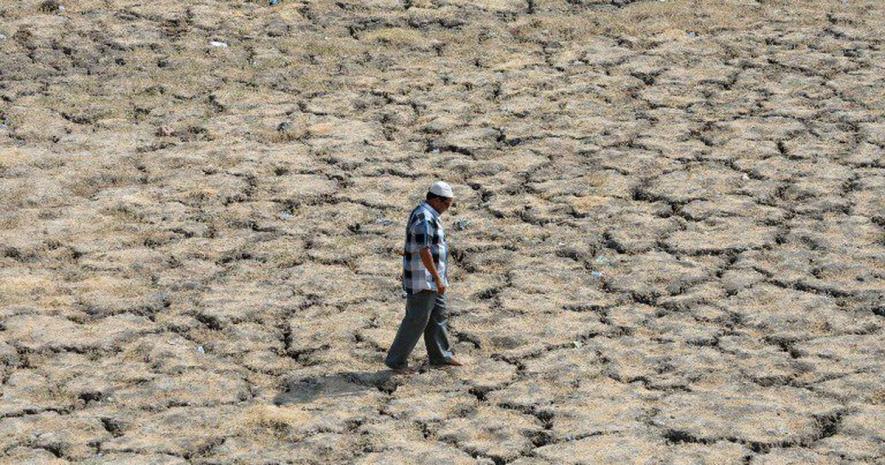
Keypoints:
pixel 427 260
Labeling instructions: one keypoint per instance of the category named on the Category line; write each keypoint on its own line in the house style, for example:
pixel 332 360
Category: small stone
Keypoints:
pixel 201 350
pixel 164 131
pixel 284 126
pixel 2 36
pixel 285 216
pixel 462 224
pixel 596 274
pixel 216 43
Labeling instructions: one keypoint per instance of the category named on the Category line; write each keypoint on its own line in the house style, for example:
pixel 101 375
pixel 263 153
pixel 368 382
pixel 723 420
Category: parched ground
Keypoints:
pixel 668 237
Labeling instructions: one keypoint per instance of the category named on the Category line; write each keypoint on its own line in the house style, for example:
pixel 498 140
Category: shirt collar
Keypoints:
pixel 432 210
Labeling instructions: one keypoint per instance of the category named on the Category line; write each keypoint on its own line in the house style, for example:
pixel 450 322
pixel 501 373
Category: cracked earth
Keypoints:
pixel 667 240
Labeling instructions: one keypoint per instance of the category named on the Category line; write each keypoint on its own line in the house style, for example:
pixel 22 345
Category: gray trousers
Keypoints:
pixel 425 314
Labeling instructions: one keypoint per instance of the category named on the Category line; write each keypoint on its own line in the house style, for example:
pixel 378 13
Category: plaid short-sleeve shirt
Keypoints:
pixel 423 229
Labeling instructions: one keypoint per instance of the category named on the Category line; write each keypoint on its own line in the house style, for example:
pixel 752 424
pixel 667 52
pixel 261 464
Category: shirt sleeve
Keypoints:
pixel 421 232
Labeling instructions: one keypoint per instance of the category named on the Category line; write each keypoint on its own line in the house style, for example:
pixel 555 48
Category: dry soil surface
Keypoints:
pixel 668 241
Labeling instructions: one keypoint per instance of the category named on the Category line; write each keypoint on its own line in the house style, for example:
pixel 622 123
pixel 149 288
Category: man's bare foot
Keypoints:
pixel 402 370
pixel 450 362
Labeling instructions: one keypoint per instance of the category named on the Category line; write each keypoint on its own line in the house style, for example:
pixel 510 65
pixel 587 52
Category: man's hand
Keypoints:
pixel 440 287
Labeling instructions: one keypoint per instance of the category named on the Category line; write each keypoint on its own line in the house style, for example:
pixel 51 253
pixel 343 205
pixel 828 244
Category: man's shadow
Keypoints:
pixel 339 385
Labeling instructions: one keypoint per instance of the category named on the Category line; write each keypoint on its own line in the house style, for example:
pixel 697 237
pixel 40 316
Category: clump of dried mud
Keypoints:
pixel 669 243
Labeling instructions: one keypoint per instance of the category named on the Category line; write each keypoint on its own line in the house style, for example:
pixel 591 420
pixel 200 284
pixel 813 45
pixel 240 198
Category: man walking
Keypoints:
pixel 424 281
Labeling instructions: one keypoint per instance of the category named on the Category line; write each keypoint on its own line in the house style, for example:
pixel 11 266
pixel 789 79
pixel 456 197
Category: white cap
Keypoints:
pixel 442 189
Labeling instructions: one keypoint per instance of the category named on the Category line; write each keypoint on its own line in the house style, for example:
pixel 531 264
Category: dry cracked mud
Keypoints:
pixel 667 242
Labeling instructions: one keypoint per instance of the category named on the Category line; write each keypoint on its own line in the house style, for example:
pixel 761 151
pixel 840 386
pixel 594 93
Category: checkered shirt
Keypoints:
pixel 424 229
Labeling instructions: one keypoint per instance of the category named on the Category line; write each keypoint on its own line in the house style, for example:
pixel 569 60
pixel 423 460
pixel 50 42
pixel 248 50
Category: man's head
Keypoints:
pixel 440 196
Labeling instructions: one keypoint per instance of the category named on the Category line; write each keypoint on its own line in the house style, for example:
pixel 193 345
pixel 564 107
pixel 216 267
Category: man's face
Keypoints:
pixel 442 204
